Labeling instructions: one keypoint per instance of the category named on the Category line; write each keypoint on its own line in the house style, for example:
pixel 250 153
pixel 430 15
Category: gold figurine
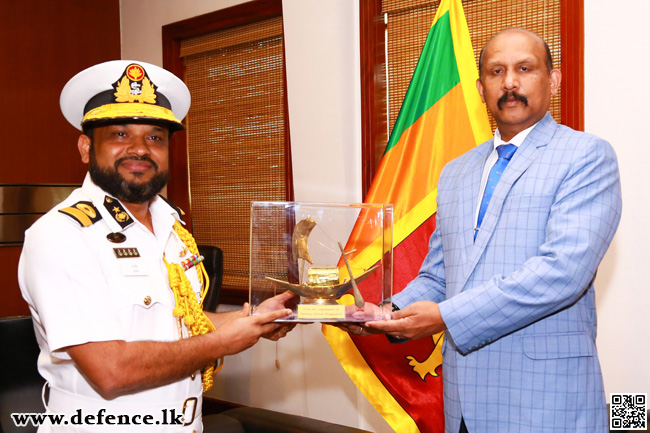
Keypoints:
pixel 322 285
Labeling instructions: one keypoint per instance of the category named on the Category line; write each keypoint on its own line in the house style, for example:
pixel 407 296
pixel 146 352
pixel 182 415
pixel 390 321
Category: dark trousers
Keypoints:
pixel 463 429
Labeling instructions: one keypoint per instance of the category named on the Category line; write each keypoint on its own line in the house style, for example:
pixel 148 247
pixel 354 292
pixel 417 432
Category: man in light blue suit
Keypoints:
pixel 516 295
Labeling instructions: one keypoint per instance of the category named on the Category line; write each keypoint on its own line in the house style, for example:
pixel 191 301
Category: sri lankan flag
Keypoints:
pixel 441 117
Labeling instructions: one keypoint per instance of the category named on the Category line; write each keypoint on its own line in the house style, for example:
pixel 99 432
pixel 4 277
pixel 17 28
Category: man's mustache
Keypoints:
pixel 136 158
pixel 512 95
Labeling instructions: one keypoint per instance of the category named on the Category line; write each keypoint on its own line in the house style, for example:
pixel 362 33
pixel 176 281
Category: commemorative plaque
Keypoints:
pixel 336 259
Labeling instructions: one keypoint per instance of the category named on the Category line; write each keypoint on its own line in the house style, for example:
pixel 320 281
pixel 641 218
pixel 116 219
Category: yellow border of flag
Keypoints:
pixel 409 219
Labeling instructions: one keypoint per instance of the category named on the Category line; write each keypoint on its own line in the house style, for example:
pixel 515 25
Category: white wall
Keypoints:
pixel 322 59
pixel 141 23
pixel 616 108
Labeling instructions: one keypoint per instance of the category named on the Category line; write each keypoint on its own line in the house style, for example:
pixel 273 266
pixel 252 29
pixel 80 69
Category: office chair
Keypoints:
pixel 20 383
pixel 213 262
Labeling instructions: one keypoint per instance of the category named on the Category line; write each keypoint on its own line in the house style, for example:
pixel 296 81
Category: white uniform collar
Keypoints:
pixel 117 215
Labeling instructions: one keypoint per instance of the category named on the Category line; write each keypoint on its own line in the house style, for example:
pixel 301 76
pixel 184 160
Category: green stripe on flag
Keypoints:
pixel 435 74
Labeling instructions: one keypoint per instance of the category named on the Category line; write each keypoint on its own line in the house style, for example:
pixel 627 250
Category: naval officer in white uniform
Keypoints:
pixel 111 276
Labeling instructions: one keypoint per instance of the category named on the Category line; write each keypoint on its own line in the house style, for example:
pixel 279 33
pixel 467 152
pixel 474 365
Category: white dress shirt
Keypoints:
pixel 492 159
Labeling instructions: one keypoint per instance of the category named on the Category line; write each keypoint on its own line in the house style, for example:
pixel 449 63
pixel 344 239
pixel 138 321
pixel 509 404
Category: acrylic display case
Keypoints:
pixel 336 259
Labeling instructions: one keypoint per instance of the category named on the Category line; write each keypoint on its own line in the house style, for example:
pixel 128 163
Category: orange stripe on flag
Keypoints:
pixel 437 137
pixel 415 163
pixel 442 117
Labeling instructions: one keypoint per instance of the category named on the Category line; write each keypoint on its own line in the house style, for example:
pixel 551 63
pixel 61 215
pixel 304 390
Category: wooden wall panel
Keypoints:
pixel 43 43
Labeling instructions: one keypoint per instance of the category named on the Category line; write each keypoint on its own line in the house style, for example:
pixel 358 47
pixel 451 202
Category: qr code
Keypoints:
pixel 628 412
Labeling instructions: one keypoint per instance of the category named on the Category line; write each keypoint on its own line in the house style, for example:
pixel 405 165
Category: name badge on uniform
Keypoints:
pixel 125 253
pixel 133 266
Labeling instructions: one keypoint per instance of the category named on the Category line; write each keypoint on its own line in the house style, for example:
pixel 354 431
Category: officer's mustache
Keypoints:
pixel 136 158
pixel 511 95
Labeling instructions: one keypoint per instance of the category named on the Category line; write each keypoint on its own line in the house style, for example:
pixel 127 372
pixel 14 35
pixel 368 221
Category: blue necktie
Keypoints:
pixel 505 152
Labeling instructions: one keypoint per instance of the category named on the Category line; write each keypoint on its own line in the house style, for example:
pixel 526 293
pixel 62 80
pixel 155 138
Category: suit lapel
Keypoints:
pixel 526 154
pixel 469 196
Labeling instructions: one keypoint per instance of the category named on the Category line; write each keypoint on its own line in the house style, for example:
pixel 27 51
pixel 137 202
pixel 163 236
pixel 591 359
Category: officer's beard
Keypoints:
pixel 111 181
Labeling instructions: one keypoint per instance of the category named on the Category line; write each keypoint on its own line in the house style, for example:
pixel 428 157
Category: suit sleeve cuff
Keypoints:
pixel 391 339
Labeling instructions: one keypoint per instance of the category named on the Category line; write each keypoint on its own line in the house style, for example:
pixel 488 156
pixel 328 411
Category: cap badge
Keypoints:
pixel 135 86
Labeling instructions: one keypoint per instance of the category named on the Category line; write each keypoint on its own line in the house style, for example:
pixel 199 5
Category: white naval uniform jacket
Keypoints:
pixel 81 288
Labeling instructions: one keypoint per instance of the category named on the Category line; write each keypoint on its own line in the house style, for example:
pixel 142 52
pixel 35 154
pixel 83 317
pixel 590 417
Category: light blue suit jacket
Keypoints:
pixel 518 302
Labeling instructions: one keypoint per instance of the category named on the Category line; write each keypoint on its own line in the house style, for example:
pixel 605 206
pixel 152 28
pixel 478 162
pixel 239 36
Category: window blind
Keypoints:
pixel 408 23
pixel 235 134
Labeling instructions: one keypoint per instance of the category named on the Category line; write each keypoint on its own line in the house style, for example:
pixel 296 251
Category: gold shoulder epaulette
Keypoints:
pixel 84 212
